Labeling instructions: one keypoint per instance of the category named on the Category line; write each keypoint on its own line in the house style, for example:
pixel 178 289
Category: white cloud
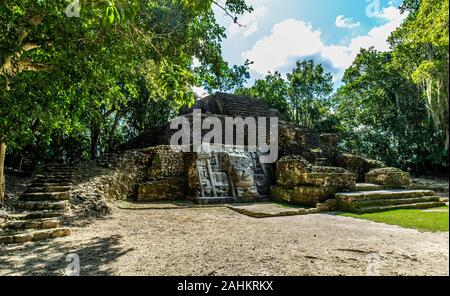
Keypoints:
pixel 377 37
pixel 295 38
pixel 345 22
pixel 289 38
pixel 390 13
pixel 249 22
pixel 199 91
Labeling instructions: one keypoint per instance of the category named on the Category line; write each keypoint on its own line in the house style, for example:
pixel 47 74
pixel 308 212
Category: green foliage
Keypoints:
pixel 303 97
pixel 394 105
pixel 416 219
pixel 91 77
pixel 383 115
pixel 223 78
pixel 273 90
pixel 309 88
pixel 420 49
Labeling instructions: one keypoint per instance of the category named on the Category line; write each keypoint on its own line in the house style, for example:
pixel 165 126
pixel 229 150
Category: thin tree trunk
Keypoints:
pixel 113 131
pixel 95 134
pixel 2 172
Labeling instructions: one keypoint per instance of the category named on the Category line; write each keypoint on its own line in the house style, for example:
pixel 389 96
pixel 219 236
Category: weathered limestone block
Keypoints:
pixel 164 189
pixel 43 235
pixel 388 177
pixel 329 146
pixel 164 162
pixel 193 181
pixel 374 164
pixel 22 238
pixel 328 206
pixel 353 163
pixel 6 239
pixel 295 171
pixel 303 195
pixel 60 232
pixel 296 140
pixel 344 181
pixel 357 164
pixel 289 167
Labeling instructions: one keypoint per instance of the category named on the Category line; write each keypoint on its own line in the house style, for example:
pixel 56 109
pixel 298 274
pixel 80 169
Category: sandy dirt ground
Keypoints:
pixel 219 241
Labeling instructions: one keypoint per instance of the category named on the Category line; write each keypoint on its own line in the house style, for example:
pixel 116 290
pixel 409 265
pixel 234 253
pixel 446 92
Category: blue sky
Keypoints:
pixel 280 32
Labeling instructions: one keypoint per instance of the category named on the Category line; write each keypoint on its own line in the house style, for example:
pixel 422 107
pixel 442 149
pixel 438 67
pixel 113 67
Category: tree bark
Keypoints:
pixel 95 134
pixel 2 172
pixel 113 131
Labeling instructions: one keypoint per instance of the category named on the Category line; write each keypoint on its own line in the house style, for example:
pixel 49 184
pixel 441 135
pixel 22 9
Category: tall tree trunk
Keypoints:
pixel 2 172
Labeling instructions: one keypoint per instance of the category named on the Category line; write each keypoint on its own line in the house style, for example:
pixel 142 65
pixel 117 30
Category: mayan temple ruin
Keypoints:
pixel 310 171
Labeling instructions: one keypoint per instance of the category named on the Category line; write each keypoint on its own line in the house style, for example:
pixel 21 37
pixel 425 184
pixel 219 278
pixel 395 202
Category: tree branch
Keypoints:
pixel 233 17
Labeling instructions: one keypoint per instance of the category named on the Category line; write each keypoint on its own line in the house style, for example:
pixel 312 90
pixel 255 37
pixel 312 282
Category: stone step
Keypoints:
pixel 42 196
pixel 34 189
pixel 46 223
pixel 423 205
pixel 245 111
pixel 391 202
pixel 243 105
pixel 37 215
pixel 61 166
pixel 52 180
pixel 18 237
pixel 213 200
pixel 368 187
pixel 54 175
pixel 349 197
pixel 50 184
pixel 60 171
pixel 39 205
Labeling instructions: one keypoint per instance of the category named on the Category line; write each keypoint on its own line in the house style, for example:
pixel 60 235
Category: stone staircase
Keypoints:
pixel 40 210
pixel 372 198
pixel 321 161
pixel 245 108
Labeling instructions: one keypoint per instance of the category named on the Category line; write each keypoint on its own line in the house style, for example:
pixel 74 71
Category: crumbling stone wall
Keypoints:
pixel 113 177
pixel 329 146
pixel 165 175
pixel 357 164
pixel 296 140
pixel 389 177
pixel 164 162
pixel 193 180
pixel 300 182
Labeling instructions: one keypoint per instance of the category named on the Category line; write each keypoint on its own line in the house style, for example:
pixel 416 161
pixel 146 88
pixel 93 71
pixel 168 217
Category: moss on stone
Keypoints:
pixel 295 171
pixel 388 177
pixel 303 195
pixel 165 189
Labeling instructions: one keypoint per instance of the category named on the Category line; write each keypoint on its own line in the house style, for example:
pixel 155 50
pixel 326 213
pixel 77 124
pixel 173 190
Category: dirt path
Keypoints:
pixel 219 241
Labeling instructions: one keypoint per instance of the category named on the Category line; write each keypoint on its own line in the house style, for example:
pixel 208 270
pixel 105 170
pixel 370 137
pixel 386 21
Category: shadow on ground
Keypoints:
pixel 44 258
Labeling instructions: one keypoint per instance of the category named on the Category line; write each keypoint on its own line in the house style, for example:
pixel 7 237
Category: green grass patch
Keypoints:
pixel 417 219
